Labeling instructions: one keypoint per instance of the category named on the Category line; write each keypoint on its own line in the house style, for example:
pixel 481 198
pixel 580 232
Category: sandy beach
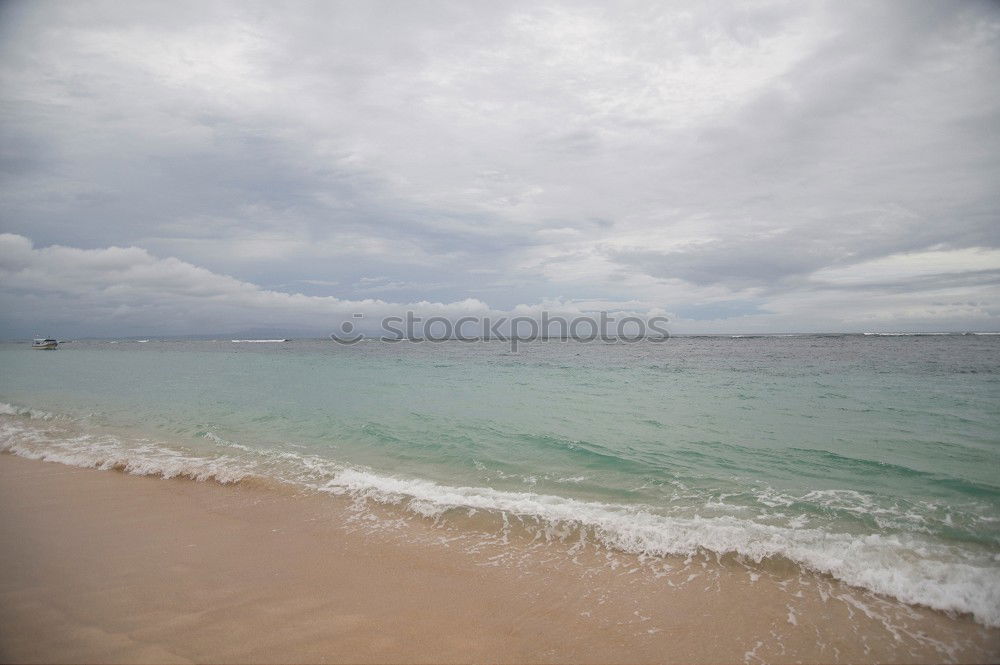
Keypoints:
pixel 101 566
pixel 518 332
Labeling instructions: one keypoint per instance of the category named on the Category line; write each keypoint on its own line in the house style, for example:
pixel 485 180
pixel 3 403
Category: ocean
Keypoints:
pixel 874 459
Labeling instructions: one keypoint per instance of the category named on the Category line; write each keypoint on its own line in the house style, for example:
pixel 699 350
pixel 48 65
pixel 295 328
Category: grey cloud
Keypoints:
pixel 780 259
pixel 923 283
pixel 132 290
pixel 127 290
pixel 675 154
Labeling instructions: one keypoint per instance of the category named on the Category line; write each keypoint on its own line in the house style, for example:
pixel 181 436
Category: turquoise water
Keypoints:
pixel 874 459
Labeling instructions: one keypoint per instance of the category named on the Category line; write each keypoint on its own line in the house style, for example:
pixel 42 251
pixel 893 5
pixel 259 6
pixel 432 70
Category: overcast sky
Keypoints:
pixel 172 168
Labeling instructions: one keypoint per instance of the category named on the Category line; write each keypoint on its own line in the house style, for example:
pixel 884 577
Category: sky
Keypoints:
pixel 204 167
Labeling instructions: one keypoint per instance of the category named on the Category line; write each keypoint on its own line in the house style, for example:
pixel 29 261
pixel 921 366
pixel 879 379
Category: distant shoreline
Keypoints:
pixel 232 338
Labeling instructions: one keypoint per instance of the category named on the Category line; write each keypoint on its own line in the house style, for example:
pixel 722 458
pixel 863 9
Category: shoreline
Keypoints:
pixel 484 514
pixel 184 571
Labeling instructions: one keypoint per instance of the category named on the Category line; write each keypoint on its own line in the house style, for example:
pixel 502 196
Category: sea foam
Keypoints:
pixel 911 568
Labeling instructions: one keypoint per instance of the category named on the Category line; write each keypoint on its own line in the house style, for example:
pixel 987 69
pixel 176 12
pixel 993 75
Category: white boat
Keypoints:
pixel 45 344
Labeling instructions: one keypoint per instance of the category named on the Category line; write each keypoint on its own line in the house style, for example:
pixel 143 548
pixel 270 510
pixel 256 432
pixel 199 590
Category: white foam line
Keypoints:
pixel 914 570
pixel 889 565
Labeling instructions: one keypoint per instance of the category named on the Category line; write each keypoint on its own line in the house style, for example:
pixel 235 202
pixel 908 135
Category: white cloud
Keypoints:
pixel 129 288
pixel 903 268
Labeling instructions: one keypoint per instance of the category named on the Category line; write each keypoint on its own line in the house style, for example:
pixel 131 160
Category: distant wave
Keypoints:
pixel 258 341
pixel 912 334
pixel 908 567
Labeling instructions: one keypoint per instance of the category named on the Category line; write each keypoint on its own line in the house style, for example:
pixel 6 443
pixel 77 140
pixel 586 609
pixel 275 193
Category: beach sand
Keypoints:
pixel 101 566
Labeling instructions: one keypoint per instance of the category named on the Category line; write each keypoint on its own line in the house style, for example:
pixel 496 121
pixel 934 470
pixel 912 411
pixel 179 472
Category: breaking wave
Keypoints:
pixel 911 568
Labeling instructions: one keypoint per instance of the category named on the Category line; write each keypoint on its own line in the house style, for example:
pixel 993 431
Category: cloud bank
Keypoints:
pixel 770 166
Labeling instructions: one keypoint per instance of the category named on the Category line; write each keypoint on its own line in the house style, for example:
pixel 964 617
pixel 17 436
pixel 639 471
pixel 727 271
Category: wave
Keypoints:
pixel 910 568
pixel 106 452
pixel 24 412
pixel 912 334
pixel 884 564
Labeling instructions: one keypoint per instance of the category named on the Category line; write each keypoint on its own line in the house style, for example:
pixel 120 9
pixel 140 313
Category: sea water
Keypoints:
pixel 874 459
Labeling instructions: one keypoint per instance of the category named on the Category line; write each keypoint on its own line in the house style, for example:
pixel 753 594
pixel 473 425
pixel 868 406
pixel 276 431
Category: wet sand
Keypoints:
pixel 100 566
